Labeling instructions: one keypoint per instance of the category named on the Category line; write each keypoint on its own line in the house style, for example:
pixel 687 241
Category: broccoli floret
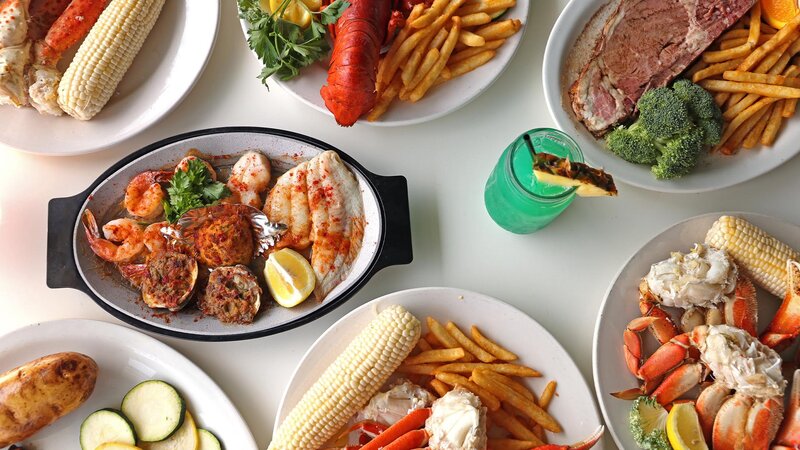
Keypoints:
pixel 675 125
pixel 663 114
pixel 633 145
pixel 649 424
pixel 703 109
pixel 679 155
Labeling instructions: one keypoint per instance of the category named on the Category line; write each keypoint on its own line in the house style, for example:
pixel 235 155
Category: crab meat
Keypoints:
pixel 739 364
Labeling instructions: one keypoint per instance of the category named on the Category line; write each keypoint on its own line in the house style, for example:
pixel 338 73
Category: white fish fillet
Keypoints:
pixel 337 218
pixel 287 203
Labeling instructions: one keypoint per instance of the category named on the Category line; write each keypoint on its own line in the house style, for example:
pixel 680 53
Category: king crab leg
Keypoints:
pixel 70 27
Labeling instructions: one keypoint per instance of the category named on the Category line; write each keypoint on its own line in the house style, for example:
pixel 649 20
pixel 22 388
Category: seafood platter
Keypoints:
pixel 118 65
pixel 229 233
pixel 715 110
pixel 695 337
pixel 397 62
pixel 79 384
pixel 438 367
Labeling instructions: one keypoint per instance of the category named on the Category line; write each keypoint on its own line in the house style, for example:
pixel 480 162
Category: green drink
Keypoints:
pixel 514 198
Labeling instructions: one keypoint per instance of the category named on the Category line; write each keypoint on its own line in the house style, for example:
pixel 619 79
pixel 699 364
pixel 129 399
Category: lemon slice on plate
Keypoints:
pixel 294 12
pixel 290 277
pixel 683 428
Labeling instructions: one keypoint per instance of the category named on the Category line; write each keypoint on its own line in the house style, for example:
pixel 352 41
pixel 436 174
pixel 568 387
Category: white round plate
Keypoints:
pixel 573 406
pixel 621 305
pixel 439 102
pixel 165 70
pixel 125 357
pixel 714 171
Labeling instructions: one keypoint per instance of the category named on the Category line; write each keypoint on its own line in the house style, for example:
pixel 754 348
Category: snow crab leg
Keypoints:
pixel 785 326
pixel 789 433
pixel 583 445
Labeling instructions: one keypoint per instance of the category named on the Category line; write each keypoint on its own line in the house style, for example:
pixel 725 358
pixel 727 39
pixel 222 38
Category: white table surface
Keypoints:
pixel 558 275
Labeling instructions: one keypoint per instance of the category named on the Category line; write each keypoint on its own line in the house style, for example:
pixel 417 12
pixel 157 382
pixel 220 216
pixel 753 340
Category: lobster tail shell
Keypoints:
pixel 360 32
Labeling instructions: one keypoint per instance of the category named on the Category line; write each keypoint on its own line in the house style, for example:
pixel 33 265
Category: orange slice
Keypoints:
pixel 778 12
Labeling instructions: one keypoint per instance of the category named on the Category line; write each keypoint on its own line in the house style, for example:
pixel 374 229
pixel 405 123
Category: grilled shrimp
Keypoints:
pixel 184 166
pixel 144 195
pixel 153 239
pixel 250 177
pixel 122 241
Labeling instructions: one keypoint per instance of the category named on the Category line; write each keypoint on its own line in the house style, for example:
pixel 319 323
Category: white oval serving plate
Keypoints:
pixel 165 70
pixel 124 357
pixel 441 100
pixel 621 305
pixel 714 171
pixel 573 406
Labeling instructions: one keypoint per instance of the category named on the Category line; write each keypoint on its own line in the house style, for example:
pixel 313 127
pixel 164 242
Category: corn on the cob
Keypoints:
pixel 348 384
pixel 106 55
pixel 761 256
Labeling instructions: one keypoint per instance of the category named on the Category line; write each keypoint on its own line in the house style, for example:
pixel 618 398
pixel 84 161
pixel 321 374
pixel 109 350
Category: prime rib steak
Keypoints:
pixel 645 44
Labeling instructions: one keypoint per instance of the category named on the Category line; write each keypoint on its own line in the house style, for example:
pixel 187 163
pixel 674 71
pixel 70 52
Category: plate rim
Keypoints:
pixel 160 347
pixel 323 310
pixel 431 291
pixel 551 78
pixel 600 312
pixel 116 138
pixel 517 43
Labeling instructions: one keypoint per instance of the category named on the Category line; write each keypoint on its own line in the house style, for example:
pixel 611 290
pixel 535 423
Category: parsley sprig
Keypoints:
pixel 282 46
pixel 190 189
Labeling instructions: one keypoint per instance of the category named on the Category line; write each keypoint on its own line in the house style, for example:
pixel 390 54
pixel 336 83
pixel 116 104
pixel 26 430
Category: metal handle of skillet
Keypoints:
pixel 62 271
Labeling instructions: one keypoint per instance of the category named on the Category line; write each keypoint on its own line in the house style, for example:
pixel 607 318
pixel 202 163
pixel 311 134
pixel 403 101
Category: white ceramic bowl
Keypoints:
pixel 438 102
pixel 165 70
pixel 573 406
pixel 621 305
pixel 125 357
pixel 714 171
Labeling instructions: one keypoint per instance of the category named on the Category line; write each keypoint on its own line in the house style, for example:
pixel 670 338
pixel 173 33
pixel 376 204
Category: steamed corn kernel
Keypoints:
pixel 761 256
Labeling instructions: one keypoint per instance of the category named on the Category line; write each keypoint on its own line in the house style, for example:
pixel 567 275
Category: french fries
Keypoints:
pixel 441 355
pixel 434 46
pixel 514 426
pixel 489 400
pixel 748 70
pixel 512 397
pixel 491 347
pixel 439 363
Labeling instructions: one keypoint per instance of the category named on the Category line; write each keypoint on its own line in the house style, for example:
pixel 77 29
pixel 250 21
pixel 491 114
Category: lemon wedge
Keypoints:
pixel 683 428
pixel 290 277
pixel 295 12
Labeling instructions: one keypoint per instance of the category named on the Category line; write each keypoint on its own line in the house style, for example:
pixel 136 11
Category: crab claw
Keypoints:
pixel 667 357
pixel 708 405
pixel 679 382
pixel 742 310
pixel 583 445
pixel 785 326
pixel 789 433
pixel 633 343
pixel 663 329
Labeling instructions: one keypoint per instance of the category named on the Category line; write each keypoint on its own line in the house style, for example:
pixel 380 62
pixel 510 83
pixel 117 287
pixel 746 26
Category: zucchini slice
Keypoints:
pixel 117 446
pixel 106 425
pixel 186 438
pixel 208 441
pixel 155 408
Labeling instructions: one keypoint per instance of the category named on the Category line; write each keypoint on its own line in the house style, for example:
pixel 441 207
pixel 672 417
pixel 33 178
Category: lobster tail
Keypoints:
pixel 360 32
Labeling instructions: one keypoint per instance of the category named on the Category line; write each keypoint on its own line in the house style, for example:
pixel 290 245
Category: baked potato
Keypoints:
pixel 42 391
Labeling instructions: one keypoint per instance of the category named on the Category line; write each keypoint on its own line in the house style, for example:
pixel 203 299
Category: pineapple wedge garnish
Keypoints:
pixel 591 182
